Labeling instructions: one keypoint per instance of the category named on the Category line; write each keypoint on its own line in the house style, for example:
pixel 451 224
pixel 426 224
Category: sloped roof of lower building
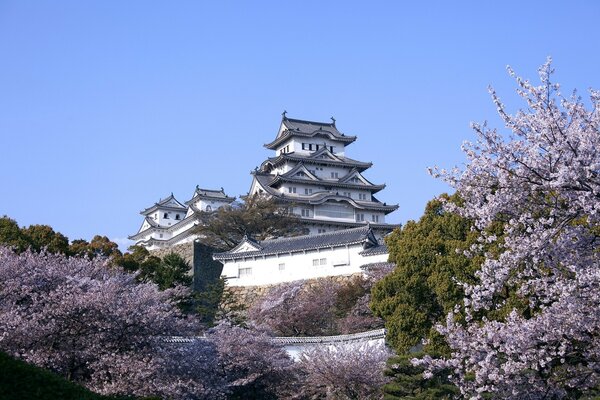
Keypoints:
pixel 361 235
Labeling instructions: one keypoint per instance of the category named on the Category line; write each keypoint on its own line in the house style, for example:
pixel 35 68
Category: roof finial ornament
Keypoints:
pixel 333 121
pixel 283 114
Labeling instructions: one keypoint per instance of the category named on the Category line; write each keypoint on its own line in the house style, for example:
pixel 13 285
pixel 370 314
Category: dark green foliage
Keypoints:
pixel 409 383
pixel 259 217
pixel 11 234
pixel 420 292
pixel 216 303
pixel 38 237
pixel 20 381
pixel 170 271
pixel 98 246
pixel 43 236
pixel 422 288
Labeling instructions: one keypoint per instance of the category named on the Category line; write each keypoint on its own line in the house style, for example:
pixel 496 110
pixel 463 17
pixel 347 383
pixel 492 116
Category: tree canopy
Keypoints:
pixel 543 183
pixel 259 217
pixel 422 288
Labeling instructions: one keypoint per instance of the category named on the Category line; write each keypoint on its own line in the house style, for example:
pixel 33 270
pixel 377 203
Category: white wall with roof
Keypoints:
pixel 288 267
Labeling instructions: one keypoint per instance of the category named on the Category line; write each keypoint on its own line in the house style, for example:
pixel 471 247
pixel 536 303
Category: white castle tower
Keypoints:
pixel 169 222
pixel 311 172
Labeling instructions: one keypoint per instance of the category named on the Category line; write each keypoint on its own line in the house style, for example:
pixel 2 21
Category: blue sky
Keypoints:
pixel 106 106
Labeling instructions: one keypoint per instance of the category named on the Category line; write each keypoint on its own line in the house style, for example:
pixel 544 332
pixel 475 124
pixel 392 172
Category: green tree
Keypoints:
pixel 259 216
pixel 408 382
pixel 420 292
pixel 43 236
pixel 172 271
pixel 11 235
pixel 422 289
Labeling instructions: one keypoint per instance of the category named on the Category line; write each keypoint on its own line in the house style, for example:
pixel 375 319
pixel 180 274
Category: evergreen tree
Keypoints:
pixel 422 289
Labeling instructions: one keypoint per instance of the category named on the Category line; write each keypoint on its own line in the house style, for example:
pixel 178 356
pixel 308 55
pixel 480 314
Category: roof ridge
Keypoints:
pixel 309 121
pixel 332 233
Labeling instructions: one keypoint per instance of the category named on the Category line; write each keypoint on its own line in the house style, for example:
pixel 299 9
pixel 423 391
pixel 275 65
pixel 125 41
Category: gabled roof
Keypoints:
pixel 210 194
pixel 354 173
pixel 264 181
pixel 300 168
pixel 315 159
pixel 330 183
pixel 298 127
pixel 168 203
pixel 362 235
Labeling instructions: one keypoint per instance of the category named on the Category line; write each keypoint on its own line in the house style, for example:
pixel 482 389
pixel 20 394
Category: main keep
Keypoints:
pixel 311 172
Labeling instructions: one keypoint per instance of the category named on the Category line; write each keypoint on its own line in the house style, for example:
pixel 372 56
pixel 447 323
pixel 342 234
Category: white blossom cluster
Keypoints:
pixel 543 183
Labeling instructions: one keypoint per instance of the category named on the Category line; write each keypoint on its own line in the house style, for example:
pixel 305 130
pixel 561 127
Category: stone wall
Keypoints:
pixel 185 250
pixel 199 256
pixel 248 295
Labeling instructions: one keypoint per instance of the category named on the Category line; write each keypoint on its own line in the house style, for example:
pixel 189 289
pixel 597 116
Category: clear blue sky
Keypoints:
pixel 105 106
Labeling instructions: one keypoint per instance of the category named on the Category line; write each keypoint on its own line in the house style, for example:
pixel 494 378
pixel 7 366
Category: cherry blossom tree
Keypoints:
pixel 92 324
pixel 252 365
pixel 344 371
pixel 297 309
pixel 543 183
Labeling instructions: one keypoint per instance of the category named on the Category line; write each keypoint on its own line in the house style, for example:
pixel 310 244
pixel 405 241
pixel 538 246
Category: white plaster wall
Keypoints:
pixel 265 270
pixel 295 351
pixel 201 204
pixel 162 221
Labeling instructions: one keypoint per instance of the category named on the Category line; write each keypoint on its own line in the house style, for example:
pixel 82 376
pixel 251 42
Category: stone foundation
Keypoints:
pixel 248 295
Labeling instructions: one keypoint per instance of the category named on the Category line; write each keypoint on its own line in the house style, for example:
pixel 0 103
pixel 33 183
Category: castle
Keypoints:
pixel 310 174
pixel 168 222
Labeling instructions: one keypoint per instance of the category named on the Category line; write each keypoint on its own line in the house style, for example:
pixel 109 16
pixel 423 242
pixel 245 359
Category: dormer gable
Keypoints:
pixel 246 245
pixel 300 172
pixel 355 177
pixel 325 154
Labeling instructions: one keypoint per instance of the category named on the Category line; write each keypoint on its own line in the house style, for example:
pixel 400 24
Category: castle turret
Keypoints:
pixel 310 171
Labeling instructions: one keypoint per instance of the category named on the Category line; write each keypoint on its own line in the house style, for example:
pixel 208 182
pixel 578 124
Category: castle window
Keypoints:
pixel 355 180
pixel 323 261
pixel 375 218
pixel 360 217
pixel 303 146
pixel 155 216
pixel 307 191
pixel 282 266
pixel 347 194
pixel 160 235
pixel 208 208
pixel 292 189
pixel 244 272
pixel 315 262
pixel 331 148
pixel 321 230
pixel 362 196
pixel 305 212
pixel 166 216
pixel 176 216
pixel 316 147
pixel 334 175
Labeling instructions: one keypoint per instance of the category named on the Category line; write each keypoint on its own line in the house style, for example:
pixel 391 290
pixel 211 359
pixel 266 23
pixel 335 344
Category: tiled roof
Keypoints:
pixel 210 194
pixel 265 181
pixel 168 203
pixel 373 251
pixel 313 159
pixel 299 127
pixel 363 234
pixel 350 338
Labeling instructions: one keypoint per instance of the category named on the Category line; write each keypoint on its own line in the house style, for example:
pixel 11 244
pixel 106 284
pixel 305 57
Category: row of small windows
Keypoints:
pixel 316 147
pixel 360 217
pixel 319 261
pixel 166 216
